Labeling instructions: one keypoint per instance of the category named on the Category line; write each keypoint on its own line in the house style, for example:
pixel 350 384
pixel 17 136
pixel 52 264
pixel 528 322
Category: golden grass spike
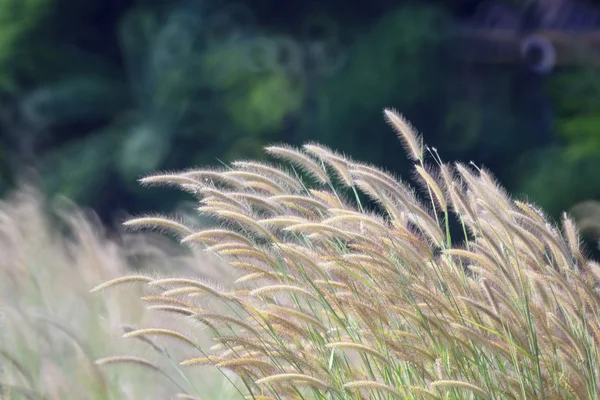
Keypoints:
pixel 420 390
pixel 191 282
pixel 410 138
pixel 216 235
pixel 331 284
pixel 381 187
pixel 162 332
pixel 339 163
pixel 214 196
pixel 170 179
pixel 245 222
pixel 281 222
pixel 252 176
pixel 309 228
pixel 209 177
pixel 159 223
pixel 299 257
pixel 378 172
pixel 328 198
pixel 266 290
pixel 359 347
pixel 216 248
pixel 364 222
pixel 127 360
pixel 257 255
pixel 485 262
pixel 243 365
pixel 275 173
pixel 259 202
pixel 251 277
pixel 122 280
pixel 373 385
pixel 294 379
pixel 460 385
pixel 427 225
pixel 302 200
pixel 295 313
pixel 529 209
pixel 127 328
pixel 572 235
pixel 435 188
pixel 299 159
pixel 181 290
pixel 174 309
pixel 576 344
pixel 226 319
pixel 209 360
pixel 164 299
pixel 246 266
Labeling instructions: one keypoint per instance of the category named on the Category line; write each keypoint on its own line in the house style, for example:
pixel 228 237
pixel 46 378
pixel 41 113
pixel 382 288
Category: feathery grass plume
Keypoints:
pixel 300 159
pixel 271 172
pixel 121 280
pixel 161 332
pixel 201 286
pixel 293 378
pixel 217 196
pixel 290 200
pixel 461 385
pixel 216 236
pixel 412 141
pixel 214 178
pixel 340 164
pixel 161 223
pixel 127 359
pixel 433 185
pixel 170 179
pixel 373 385
pixel 342 300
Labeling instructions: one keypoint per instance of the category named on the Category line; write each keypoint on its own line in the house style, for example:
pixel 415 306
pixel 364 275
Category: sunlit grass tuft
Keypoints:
pixel 340 298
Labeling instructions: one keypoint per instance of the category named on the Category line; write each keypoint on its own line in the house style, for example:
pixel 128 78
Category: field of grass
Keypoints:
pixel 53 331
pixel 340 282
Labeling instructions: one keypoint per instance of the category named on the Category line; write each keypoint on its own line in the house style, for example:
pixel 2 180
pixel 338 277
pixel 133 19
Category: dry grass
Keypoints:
pixel 338 301
pixel 59 342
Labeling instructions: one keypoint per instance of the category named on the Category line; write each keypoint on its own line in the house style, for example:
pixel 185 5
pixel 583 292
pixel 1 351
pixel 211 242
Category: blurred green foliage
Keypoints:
pixel 577 100
pixel 94 94
pixel 19 20
pixel 564 174
pixel 392 63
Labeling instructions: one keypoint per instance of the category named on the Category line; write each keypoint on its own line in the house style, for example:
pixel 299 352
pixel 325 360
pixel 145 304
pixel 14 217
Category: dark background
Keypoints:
pixel 96 93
